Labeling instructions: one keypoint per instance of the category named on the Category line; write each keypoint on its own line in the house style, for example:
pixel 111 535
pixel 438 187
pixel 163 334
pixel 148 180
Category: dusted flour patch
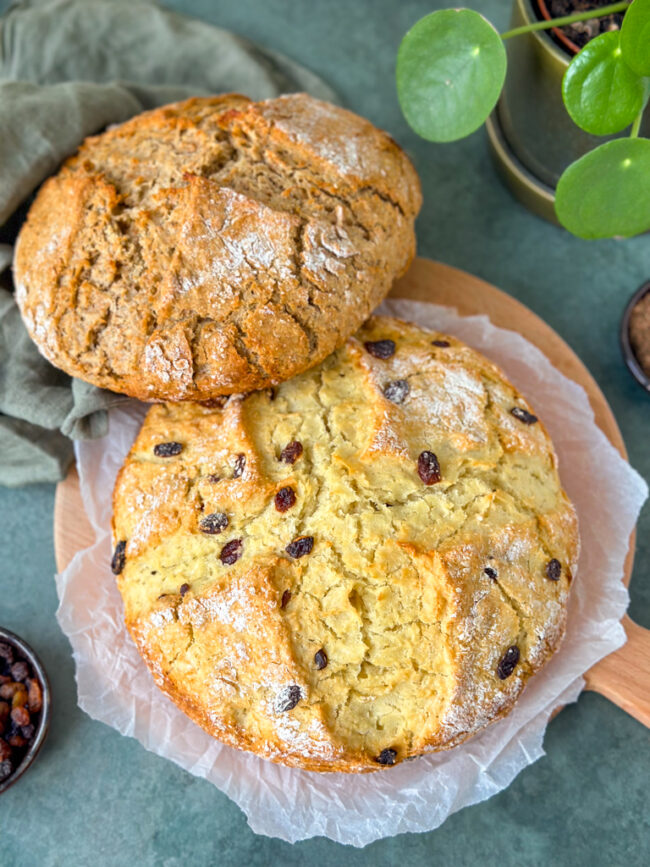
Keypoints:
pixel 215 246
pixel 364 565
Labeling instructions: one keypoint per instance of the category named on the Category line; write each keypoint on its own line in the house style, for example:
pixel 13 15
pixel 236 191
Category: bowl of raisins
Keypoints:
pixel 25 706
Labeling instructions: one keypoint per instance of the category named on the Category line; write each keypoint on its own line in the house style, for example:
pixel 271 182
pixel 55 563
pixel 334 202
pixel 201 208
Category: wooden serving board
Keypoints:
pixel 623 676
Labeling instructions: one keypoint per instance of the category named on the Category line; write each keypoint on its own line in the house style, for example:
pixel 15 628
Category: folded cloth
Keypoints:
pixel 68 68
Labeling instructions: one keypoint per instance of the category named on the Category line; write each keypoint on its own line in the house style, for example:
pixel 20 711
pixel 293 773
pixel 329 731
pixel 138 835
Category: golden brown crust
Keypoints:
pixel 215 246
pixel 414 592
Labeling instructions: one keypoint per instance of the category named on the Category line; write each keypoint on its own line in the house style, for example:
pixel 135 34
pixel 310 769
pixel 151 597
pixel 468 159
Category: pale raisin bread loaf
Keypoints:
pixel 365 564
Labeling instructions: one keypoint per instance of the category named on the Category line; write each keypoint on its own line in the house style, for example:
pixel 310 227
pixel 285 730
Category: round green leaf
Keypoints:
pixel 600 91
pixel 635 37
pixel 606 193
pixel 451 66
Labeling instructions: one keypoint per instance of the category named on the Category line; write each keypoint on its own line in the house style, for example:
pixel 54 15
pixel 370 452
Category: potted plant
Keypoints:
pixel 567 131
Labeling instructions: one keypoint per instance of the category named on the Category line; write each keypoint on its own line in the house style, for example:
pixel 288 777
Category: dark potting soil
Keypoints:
pixel 582 31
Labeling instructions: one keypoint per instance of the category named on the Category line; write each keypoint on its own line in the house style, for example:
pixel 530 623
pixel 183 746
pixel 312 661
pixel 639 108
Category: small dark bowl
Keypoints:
pixel 44 722
pixel 628 352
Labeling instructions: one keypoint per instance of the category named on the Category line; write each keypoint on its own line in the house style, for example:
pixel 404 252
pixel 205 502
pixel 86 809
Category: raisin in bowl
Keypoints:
pixel 631 353
pixel 25 707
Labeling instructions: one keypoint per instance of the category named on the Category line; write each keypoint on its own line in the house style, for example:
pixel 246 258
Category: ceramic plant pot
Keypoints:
pixel 532 137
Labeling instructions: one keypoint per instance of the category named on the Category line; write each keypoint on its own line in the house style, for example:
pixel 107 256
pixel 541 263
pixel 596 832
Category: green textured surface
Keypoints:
pixel 94 797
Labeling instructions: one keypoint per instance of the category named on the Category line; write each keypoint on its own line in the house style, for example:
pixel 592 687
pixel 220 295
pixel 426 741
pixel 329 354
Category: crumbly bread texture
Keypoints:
pixel 215 246
pixel 362 565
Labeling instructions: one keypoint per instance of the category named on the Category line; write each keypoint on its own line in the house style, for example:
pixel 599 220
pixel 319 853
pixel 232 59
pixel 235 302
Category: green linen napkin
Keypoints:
pixel 68 68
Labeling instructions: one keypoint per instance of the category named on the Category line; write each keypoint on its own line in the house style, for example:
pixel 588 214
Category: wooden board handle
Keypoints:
pixel 624 676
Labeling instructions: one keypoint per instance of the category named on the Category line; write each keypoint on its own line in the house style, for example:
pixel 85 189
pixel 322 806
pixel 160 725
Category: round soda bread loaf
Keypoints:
pixel 362 565
pixel 215 246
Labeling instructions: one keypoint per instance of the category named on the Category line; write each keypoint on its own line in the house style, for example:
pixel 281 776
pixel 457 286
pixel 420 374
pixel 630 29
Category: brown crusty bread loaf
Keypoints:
pixel 215 246
pixel 365 564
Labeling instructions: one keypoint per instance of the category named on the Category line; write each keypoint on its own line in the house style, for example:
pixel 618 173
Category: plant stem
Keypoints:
pixel 634 132
pixel 567 19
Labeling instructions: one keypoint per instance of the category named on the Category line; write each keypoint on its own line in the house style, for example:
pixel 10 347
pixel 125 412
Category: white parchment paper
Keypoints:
pixel 115 686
